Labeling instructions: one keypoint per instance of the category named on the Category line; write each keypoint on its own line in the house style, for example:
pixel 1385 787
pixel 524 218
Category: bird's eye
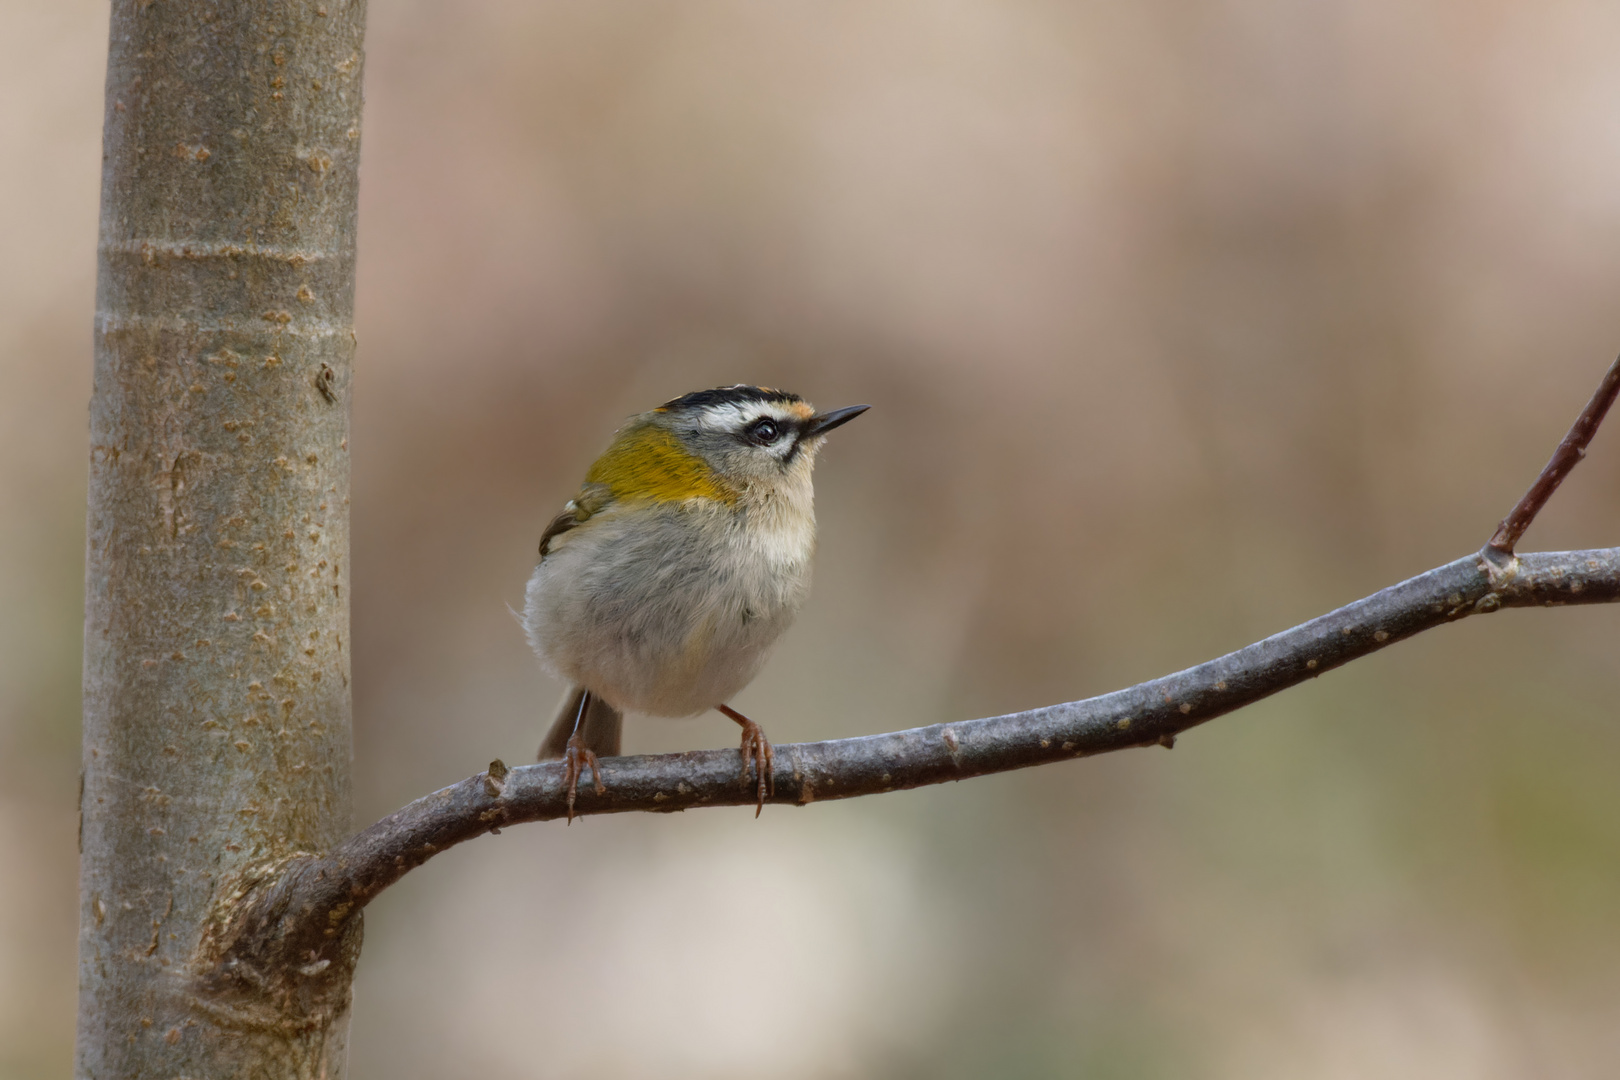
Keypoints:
pixel 763 432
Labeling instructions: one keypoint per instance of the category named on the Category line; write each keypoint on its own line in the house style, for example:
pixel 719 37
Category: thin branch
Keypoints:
pixel 1566 457
pixel 291 928
pixel 301 912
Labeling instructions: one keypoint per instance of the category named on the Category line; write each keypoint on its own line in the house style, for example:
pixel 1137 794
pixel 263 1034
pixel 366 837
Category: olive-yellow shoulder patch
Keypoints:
pixel 648 462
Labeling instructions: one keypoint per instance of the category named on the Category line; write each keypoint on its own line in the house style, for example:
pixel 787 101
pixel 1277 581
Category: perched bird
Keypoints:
pixel 664 583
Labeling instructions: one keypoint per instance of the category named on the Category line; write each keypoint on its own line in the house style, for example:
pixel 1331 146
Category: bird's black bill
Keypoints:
pixel 825 422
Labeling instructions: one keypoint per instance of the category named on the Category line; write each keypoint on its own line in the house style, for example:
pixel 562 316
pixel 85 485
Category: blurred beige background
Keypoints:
pixel 1183 322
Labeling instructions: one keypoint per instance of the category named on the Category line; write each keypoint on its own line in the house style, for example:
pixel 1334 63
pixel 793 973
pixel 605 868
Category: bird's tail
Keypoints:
pixel 600 727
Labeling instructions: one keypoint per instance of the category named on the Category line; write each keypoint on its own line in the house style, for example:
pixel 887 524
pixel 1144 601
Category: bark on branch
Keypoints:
pixel 295 921
pixel 290 922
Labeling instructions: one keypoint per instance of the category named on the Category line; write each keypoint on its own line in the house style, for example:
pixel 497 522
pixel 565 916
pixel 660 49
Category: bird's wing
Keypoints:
pixel 559 525
pixel 644 463
pixel 591 498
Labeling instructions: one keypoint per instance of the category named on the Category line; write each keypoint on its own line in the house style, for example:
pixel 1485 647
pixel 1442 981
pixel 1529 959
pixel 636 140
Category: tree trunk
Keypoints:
pixel 216 670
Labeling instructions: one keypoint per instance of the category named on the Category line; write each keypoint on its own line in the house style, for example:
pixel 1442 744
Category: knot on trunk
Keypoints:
pixel 279 947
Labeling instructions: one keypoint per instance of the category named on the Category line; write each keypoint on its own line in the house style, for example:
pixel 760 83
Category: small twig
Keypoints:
pixel 1569 453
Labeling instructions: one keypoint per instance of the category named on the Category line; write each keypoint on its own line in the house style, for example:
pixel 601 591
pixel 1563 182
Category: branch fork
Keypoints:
pixel 1499 549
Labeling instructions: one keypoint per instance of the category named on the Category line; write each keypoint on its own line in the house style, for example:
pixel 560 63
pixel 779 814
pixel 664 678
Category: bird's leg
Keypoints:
pixel 756 750
pixel 577 755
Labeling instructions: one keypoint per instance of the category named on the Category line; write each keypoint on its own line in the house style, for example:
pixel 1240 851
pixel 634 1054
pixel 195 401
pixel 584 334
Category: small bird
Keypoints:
pixel 664 583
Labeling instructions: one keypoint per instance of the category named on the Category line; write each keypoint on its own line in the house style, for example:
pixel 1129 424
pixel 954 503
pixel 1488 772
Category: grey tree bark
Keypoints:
pixel 216 671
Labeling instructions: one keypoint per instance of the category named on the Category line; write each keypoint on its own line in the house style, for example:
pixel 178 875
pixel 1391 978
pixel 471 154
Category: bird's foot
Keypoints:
pixel 576 757
pixel 756 751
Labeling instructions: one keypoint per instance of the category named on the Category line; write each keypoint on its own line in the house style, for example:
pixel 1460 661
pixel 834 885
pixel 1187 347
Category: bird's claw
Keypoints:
pixel 575 757
pixel 756 751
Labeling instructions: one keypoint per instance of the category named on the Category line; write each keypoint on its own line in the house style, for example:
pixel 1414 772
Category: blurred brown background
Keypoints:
pixel 1183 322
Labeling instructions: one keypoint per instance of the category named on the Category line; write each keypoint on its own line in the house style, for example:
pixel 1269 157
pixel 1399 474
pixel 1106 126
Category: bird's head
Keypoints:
pixel 713 444
pixel 750 434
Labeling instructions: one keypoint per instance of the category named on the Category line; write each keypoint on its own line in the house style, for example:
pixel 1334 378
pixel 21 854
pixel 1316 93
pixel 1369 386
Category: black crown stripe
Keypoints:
pixel 730 395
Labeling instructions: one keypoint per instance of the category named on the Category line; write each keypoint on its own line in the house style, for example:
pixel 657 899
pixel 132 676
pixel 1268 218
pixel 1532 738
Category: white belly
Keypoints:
pixel 676 613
